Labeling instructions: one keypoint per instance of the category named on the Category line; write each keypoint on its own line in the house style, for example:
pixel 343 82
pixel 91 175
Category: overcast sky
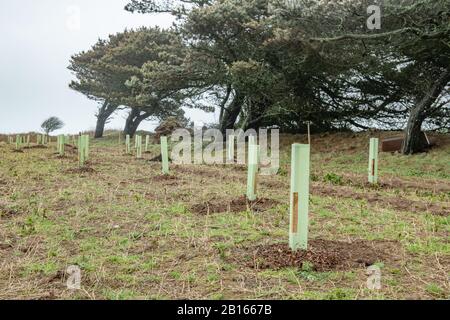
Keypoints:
pixel 38 38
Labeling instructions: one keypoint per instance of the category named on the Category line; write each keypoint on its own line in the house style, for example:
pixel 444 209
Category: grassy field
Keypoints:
pixel 137 235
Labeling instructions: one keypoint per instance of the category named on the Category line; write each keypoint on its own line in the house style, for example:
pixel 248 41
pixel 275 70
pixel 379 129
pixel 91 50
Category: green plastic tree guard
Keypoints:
pixel 127 144
pixel 86 147
pixel 81 151
pixel 61 145
pixel 165 155
pixel 252 173
pixel 299 198
pixel 18 142
pixel 138 147
pixel 147 142
pixel 230 148
pixel 373 160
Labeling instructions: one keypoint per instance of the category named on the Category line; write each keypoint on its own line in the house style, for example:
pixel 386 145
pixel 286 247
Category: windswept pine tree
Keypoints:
pixel 273 63
pixel 111 70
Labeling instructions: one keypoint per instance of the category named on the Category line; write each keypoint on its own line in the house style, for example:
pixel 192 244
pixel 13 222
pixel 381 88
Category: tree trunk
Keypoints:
pixel 104 112
pixel 231 113
pixel 255 116
pixel 134 119
pixel 224 103
pixel 419 113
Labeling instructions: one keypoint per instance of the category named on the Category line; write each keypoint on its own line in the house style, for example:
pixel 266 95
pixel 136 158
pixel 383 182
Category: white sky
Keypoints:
pixel 38 38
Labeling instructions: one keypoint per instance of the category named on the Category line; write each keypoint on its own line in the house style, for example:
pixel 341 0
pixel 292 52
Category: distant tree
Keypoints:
pixel 111 72
pixel 51 124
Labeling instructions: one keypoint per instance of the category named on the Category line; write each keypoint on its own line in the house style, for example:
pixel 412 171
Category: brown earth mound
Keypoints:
pixel 6 212
pixel 81 170
pixel 164 177
pixel 397 203
pixel 238 205
pixel 397 183
pixel 156 159
pixel 38 146
pixel 322 255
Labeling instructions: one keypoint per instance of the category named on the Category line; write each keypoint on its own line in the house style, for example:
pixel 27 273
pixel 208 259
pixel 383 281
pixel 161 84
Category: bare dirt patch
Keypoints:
pixel 35 147
pixel 322 255
pixel 6 212
pixel 81 170
pixel 234 206
pixel 398 203
pixel 165 180
pixel 157 158
pixel 398 183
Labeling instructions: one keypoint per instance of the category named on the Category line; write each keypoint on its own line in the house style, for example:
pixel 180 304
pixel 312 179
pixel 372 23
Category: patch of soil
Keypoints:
pixel 156 159
pixel 397 183
pixel 237 205
pixel 197 171
pixel 35 147
pixel 322 255
pixel 70 147
pixel 80 170
pixel 273 184
pixel 17 151
pixel 239 167
pixel 64 157
pixel 164 177
pixel 59 276
pixel 6 212
pixel 5 246
pixel 397 203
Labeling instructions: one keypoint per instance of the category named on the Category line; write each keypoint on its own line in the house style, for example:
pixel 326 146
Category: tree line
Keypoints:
pixel 267 63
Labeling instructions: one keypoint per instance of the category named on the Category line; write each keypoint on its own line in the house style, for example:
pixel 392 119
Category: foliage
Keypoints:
pixel 52 124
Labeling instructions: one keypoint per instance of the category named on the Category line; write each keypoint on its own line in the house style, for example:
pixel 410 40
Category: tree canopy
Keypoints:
pixel 273 63
pixel 52 124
